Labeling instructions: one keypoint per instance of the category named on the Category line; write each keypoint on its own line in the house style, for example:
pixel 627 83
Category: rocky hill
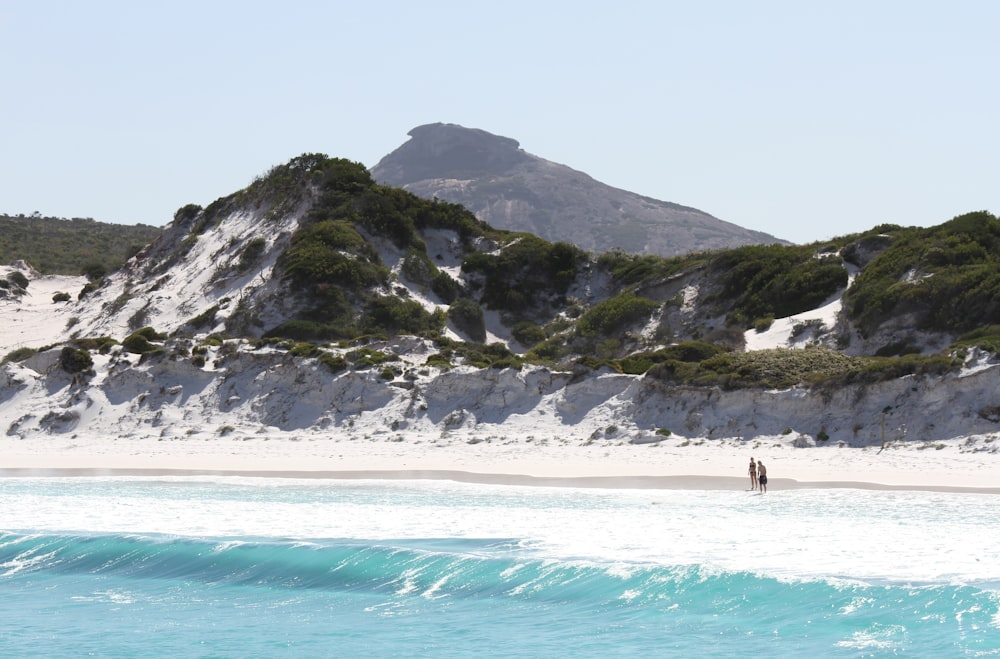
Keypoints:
pixel 512 189
pixel 316 301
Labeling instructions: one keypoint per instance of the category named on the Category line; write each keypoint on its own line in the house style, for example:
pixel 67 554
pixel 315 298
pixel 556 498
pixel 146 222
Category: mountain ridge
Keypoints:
pixel 509 188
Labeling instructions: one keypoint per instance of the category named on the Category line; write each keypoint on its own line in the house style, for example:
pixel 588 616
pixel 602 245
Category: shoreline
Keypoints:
pixel 679 482
pixel 549 462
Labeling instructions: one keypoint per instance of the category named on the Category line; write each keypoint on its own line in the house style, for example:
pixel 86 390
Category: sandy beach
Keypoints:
pixel 553 461
pixel 248 414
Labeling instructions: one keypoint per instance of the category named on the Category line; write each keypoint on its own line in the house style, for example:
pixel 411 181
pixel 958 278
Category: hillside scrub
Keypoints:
pixel 948 276
pixel 782 368
pixel 691 352
pixel 493 355
pixel 467 316
pixel 526 271
pixel 631 269
pixel 333 252
pixel 331 284
pixel 986 338
pixel 390 315
pixel 611 316
pixel 56 246
pixel 332 263
pixel 774 281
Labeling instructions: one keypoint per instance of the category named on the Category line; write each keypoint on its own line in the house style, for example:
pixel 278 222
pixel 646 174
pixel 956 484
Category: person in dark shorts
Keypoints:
pixel 753 474
pixel 762 477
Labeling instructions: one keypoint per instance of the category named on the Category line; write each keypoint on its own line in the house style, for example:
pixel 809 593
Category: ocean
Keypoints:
pixel 240 567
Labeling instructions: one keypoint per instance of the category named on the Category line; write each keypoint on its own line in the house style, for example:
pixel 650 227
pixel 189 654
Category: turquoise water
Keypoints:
pixel 255 567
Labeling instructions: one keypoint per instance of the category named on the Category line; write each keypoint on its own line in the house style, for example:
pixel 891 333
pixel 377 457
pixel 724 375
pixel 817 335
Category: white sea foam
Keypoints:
pixel 914 537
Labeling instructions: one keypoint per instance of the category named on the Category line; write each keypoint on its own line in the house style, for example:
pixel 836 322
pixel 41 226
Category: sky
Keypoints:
pixel 804 120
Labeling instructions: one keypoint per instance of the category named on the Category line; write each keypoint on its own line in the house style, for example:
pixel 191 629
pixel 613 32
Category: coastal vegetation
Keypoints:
pixel 56 246
pixel 774 281
pixel 355 268
pixel 783 368
pixel 947 277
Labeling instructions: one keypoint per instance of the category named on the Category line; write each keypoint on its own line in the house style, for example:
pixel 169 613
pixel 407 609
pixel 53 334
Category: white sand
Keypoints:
pixel 552 461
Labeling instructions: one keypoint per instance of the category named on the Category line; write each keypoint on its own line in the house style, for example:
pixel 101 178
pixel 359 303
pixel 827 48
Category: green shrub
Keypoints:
pixel 635 364
pixel 87 289
pixel 418 268
pixel 61 297
pixel 94 271
pixel 691 351
pixel 389 212
pixel 251 254
pixel 101 344
pixel 525 269
pixel 549 351
pixel 507 362
pixel 335 363
pixel 675 372
pixel 392 315
pixel 75 360
pixel 763 324
pixel 187 213
pixel 304 349
pixel 467 316
pixel 140 341
pixel 686 351
pixel 18 279
pixel 308 330
pixel 333 252
pixel 366 358
pixel 986 338
pixel 439 360
pixel 19 354
pixel 138 344
pixel 205 318
pixel 445 287
pixel 527 333
pixel 612 315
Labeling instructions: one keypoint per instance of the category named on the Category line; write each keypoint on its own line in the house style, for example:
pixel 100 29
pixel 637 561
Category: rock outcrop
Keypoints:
pixel 511 189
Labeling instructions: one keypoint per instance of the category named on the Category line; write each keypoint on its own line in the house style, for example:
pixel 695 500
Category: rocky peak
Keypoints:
pixel 509 188
pixel 449 151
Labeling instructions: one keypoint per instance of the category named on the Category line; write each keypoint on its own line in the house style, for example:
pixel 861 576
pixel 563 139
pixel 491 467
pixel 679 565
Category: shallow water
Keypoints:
pixel 238 567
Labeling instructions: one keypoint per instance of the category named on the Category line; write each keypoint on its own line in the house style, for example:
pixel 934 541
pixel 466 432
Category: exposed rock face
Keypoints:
pixel 450 152
pixel 512 189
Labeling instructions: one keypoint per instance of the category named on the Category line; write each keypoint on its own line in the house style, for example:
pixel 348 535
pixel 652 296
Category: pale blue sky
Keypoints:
pixel 802 119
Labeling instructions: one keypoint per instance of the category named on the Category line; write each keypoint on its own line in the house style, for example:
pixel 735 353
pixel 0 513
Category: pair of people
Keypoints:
pixel 758 476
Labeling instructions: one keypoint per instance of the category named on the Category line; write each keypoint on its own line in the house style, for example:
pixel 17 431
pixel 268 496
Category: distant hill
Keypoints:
pixel 56 246
pixel 511 189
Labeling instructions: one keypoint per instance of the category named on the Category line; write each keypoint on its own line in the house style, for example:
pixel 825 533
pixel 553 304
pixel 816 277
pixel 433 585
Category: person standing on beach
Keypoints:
pixel 753 474
pixel 762 476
